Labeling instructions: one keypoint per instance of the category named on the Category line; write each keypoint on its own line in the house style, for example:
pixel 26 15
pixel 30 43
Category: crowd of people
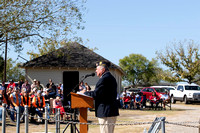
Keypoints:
pixel 138 100
pixel 34 95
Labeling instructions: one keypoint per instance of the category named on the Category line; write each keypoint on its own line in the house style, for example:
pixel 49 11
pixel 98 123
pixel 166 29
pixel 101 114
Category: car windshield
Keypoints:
pixel 162 90
pixel 192 88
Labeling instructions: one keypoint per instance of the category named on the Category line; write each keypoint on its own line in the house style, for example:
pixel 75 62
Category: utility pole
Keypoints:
pixel 5 60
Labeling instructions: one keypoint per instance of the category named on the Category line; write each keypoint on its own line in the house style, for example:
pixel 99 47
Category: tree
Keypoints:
pixel 183 64
pixel 139 70
pixel 14 71
pixel 33 20
pixel 1 67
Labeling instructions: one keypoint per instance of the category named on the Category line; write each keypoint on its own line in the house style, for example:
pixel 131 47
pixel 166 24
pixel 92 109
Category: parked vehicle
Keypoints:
pixel 135 90
pixel 167 88
pixel 148 91
pixel 185 93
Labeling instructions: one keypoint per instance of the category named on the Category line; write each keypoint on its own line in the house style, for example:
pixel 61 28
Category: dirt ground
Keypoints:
pixel 179 113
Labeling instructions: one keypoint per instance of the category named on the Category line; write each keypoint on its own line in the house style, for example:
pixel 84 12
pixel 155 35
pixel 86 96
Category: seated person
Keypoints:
pixel 11 85
pixel 2 100
pixel 38 103
pixel 16 101
pixel 33 93
pixel 57 103
pixel 144 100
pixel 132 96
pixel 138 101
pixel 26 99
pixel 50 92
pixel 121 99
pixel 9 91
pixel 165 99
pixel 154 99
pixel 126 101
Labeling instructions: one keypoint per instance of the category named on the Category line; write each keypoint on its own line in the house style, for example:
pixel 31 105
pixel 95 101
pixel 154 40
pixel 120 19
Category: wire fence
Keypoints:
pixel 157 124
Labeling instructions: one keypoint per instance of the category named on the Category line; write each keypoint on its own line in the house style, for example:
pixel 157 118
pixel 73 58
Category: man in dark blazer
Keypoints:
pixel 105 94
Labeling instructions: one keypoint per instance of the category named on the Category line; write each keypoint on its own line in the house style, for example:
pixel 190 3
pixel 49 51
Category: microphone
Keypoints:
pixel 88 75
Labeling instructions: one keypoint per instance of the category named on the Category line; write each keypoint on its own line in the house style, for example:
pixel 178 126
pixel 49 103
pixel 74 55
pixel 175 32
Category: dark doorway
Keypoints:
pixel 70 82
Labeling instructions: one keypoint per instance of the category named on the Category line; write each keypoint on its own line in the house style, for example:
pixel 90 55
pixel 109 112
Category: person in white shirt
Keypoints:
pixel 165 99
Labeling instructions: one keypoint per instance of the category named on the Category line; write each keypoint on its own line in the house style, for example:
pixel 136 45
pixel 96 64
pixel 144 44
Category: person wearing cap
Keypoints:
pixel 16 101
pixel 11 85
pixel 34 85
pixel 38 103
pixel 105 94
pixel 26 99
pixel 126 101
pixel 138 101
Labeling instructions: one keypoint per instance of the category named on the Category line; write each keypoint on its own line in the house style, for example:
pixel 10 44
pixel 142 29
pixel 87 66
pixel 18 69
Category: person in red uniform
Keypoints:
pixel 126 101
pixel 154 99
pixel 11 85
pixel 57 103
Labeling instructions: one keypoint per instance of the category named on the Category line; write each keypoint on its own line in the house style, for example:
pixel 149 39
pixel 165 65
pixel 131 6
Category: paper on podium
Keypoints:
pixel 82 94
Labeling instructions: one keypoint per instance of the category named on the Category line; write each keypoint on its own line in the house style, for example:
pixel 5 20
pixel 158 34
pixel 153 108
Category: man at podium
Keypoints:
pixel 105 94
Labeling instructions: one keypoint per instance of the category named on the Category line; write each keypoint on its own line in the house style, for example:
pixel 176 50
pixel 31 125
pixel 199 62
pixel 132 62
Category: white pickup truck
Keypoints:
pixel 185 93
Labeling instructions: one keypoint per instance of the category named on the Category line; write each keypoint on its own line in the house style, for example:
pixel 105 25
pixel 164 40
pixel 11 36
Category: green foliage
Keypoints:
pixel 139 70
pixel 34 20
pixel 183 63
pixel 13 70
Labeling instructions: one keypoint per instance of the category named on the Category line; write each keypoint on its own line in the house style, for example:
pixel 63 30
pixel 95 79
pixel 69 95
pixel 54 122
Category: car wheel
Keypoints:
pixel 172 100
pixel 185 100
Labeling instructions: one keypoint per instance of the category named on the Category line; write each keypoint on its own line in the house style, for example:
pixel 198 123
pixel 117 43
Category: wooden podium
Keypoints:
pixel 82 102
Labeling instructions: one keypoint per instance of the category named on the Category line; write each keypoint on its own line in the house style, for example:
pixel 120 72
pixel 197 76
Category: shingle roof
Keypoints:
pixel 72 55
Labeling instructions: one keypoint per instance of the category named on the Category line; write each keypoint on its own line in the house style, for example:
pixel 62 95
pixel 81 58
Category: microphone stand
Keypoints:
pixel 74 89
pixel 73 117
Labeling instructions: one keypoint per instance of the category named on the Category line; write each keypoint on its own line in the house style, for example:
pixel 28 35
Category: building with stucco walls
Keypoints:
pixel 72 57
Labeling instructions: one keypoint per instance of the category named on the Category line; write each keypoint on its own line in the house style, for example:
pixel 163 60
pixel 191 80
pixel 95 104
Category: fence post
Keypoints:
pixel 46 120
pixel 58 120
pixel 163 124
pixel 4 118
pixel 18 120
pixel 26 118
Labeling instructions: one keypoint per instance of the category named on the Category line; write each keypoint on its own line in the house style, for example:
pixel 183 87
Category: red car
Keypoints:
pixel 148 91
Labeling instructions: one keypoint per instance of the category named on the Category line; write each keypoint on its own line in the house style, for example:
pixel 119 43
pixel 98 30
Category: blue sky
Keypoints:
pixel 119 28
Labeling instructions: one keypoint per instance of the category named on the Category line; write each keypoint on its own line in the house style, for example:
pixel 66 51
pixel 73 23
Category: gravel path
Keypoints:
pixel 187 113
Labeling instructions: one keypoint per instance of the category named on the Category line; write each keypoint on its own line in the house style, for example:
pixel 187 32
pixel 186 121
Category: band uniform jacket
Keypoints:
pixel 105 95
